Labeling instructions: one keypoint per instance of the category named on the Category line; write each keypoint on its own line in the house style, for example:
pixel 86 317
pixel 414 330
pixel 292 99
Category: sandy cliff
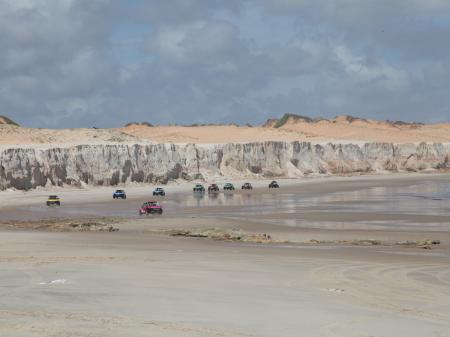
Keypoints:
pixel 26 168
pixel 292 146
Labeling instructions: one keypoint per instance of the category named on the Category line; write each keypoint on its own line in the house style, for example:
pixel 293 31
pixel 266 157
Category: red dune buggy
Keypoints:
pixel 150 207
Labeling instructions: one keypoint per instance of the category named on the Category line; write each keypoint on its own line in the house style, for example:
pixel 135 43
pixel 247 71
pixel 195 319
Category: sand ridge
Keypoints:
pixel 298 128
pixel 288 128
pixel 15 136
pixel 357 129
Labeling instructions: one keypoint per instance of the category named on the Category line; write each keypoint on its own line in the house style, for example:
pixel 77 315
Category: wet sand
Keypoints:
pixel 140 281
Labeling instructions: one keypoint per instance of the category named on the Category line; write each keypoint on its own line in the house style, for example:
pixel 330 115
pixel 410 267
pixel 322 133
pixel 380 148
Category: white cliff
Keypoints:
pixel 27 168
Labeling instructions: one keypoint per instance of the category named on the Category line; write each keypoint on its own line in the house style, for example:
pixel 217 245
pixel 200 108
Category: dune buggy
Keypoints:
pixel 228 187
pixel 247 186
pixel 274 184
pixel 159 192
pixel 199 188
pixel 213 188
pixel 150 207
pixel 119 194
pixel 53 200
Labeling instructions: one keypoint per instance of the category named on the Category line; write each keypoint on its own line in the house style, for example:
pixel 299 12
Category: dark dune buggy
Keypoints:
pixel 247 186
pixel 228 187
pixel 274 184
pixel 213 188
pixel 199 188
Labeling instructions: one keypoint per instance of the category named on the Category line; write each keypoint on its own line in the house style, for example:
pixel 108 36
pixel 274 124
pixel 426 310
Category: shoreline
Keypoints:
pixel 10 197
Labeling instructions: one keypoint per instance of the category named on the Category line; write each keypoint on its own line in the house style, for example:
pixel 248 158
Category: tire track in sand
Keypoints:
pixel 418 290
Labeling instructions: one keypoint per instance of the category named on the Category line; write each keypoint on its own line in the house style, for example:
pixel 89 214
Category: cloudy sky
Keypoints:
pixel 73 63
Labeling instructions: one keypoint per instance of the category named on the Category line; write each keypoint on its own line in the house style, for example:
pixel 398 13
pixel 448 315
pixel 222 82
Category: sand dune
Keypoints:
pixel 298 128
pixel 288 128
pixel 351 128
pixel 211 134
pixel 19 136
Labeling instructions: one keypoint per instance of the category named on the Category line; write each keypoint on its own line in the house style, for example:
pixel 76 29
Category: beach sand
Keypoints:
pixel 313 277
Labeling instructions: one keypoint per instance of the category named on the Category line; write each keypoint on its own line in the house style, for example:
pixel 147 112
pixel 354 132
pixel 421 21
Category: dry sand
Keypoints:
pixel 142 281
pixel 125 284
pixel 340 129
pixel 344 128
pixel 14 136
pixel 211 134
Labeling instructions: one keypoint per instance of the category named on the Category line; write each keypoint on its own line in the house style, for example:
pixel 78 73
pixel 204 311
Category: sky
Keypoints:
pixel 104 63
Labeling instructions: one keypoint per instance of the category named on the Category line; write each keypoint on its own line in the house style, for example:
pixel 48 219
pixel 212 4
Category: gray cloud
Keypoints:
pixel 177 12
pixel 102 62
pixel 54 59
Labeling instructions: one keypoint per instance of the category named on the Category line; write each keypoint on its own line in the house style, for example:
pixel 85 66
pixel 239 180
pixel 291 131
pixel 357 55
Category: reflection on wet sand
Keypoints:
pixel 382 205
pixel 379 207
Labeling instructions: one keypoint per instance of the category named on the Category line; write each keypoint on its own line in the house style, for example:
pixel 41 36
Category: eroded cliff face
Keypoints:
pixel 114 164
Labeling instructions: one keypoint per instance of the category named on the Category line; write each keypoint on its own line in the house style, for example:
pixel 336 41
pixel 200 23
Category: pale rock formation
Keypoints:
pixel 27 168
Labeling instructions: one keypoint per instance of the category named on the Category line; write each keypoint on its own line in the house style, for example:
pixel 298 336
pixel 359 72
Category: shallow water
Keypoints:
pixel 412 204
pixel 425 204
